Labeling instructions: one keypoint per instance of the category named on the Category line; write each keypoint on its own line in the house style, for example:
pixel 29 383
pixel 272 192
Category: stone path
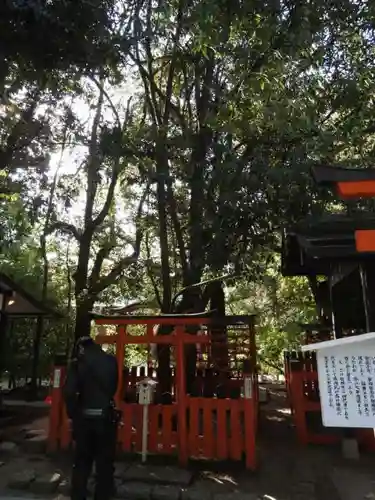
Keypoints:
pixel 354 484
pixel 2 497
pixel 291 478
pixel 286 472
pixel 132 481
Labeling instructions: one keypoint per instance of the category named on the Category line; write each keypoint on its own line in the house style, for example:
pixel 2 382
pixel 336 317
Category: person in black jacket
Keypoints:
pixel 89 391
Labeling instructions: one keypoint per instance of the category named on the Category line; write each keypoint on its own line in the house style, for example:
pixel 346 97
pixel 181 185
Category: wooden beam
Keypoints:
pixel 356 189
pixel 365 240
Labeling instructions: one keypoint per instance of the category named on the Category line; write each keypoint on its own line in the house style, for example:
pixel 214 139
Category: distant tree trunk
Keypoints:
pixel 40 321
pixel 4 323
pixel 39 328
pixel 68 332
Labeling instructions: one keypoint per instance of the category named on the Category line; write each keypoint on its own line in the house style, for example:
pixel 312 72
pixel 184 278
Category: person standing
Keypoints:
pixel 89 391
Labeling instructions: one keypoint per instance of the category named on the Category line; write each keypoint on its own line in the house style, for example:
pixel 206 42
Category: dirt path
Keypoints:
pixel 307 473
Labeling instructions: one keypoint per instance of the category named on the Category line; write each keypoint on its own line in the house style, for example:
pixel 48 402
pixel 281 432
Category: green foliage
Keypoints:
pixel 281 305
pixel 81 34
pixel 18 354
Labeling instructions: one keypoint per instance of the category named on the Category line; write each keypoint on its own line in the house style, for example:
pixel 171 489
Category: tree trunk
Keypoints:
pixel 3 332
pixel 164 350
pixel 68 329
pixel 39 330
pixel 219 348
pixel 83 320
pixel 163 173
pixel 39 327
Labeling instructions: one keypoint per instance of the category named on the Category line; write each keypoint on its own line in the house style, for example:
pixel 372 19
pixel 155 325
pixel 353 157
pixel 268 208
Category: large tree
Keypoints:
pixel 105 248
pixel 240 99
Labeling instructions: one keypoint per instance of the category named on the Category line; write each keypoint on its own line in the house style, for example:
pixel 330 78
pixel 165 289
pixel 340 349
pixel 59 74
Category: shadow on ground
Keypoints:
pixel 286 470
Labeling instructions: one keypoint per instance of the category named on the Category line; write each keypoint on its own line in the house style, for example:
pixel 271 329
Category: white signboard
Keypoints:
pixel 56 378
pixel 248 388
pixel 145 394
pixel 346 371
pixel 145 389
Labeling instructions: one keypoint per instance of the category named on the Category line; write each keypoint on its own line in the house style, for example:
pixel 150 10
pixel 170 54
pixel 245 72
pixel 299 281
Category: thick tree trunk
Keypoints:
pixel 163 173
pixel 164 350
pixel 83 320
pixel 83 304
pixel 219 348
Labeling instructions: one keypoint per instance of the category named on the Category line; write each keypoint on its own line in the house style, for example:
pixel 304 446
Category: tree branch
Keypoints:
pixel 270 364
pixel 114 178
pixel 110 102
pixel 115 272
pixel 171 74
pixel 93 162
pixel 151 91
pixel 65 228
pixel 100 256
pixel 110 193
pixel 151 275
pixel 155 110
pixel 178 231
pixel 107 280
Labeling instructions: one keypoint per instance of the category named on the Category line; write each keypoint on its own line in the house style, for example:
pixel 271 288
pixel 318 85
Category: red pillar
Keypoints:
pixel 250 405
pixel 181 397
pixel 120 356
pixel 56 410
pixel 298 399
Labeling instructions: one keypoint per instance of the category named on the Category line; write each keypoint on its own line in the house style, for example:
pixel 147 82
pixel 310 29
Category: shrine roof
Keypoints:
pixel 325 175
pixel 311 246
pixel 20 303
pixel 345 341
pixel 335 223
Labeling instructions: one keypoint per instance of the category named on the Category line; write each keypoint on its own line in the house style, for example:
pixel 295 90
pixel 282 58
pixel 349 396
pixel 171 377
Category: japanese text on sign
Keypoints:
pixel 347 386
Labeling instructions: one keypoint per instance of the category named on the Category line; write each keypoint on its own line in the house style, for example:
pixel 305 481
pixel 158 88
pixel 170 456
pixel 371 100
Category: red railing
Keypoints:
pixel 303 391
pixel 190 427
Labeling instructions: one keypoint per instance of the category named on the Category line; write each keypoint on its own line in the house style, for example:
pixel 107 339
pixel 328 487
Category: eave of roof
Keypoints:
pixel 40 309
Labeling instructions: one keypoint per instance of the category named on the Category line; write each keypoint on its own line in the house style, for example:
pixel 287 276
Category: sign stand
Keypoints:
pixel 145 390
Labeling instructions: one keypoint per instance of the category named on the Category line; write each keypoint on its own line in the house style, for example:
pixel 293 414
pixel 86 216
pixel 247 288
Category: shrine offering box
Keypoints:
pixel 346 373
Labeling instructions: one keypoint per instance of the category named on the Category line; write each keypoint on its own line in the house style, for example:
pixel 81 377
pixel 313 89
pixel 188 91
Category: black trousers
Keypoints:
pixel 95 442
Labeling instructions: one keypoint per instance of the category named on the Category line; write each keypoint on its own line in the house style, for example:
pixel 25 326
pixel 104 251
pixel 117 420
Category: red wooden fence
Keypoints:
pixel 303 391
pixel 190 427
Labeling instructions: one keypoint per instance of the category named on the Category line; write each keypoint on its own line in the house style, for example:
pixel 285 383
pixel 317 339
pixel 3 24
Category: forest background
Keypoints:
pixel 148 145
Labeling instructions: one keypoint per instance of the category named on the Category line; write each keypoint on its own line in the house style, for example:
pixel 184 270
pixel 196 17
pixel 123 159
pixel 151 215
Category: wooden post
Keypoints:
pixel 120 355
pixel 250 406
pixel 181 397
pixel 298 397
pixel 56 410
